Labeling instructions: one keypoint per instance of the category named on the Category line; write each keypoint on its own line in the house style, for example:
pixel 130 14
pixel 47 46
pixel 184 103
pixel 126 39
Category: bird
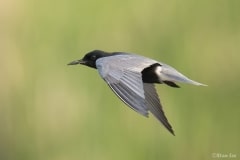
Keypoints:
pixel 133 77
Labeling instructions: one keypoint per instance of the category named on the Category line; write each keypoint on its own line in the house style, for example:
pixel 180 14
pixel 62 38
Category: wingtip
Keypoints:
pixel 169 128
pixel 171 131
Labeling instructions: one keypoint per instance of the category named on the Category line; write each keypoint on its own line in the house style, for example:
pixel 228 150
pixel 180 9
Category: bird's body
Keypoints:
pixel 132 78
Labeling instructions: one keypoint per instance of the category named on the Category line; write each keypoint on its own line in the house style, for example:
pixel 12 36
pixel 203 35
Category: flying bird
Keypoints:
pixel 132 77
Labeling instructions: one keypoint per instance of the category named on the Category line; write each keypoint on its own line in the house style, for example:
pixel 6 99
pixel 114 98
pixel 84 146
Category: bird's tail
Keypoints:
pixel 168 73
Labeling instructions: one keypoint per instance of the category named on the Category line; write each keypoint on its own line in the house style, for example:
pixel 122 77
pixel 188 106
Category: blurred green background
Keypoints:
pixel 51 111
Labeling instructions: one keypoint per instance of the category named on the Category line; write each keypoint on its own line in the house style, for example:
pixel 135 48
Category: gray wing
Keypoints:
pixel 123 75
pixel 155 106
pixel 129 89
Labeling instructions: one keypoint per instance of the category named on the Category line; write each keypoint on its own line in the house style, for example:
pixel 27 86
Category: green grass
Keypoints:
pixel 51 111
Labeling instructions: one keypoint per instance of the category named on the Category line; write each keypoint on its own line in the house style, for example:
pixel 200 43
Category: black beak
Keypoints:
pixel 77 62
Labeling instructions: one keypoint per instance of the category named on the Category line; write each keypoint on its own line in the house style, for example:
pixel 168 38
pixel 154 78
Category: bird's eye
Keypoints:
pixel 93 57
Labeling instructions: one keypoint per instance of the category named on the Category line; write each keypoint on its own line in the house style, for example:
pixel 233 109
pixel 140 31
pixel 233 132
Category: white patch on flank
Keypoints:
pixel 158 71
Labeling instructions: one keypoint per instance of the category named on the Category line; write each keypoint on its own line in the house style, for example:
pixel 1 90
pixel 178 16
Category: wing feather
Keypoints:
pixel 154 105
pixel 128 93
pixel 123 75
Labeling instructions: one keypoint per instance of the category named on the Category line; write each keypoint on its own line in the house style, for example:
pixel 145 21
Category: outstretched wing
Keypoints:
pixel 123 75
pixel 154 105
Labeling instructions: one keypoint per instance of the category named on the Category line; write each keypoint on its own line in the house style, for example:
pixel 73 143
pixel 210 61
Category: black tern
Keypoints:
pixel 131 77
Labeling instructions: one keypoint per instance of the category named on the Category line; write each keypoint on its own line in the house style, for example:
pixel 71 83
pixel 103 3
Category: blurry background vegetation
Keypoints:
pixel 51 111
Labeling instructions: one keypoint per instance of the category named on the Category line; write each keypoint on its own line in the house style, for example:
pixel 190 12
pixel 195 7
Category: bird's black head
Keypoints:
pixel 90 58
